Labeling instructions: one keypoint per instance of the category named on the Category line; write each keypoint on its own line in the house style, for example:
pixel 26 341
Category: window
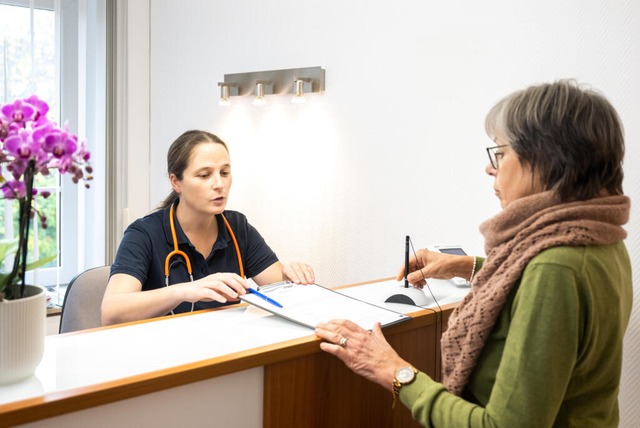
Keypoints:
pixel 58 54
pixel 30 68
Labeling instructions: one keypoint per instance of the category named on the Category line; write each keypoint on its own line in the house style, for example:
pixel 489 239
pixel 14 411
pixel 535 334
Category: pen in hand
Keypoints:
pixel 264 297
pixel 406 261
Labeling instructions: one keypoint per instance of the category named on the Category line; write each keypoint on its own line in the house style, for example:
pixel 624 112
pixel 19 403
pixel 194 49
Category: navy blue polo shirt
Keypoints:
pixel 147 242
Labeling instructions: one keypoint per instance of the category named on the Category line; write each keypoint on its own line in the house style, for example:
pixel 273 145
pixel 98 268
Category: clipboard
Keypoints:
pixel 309 305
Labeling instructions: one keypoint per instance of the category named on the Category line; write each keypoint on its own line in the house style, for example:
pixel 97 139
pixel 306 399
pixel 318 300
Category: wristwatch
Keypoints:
pixel 404 376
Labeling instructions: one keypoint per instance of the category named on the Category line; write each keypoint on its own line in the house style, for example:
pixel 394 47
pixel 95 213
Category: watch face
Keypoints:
pixel 405 375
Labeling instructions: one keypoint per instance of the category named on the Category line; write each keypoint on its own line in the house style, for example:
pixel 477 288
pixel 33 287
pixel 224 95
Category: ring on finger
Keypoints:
pixel 343 342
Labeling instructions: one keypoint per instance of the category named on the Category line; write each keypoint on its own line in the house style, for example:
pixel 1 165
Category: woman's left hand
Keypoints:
pixel 300 273
pixel 365 352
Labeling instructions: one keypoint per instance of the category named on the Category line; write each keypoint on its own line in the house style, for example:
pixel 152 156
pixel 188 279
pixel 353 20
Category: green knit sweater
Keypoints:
pixel 554 356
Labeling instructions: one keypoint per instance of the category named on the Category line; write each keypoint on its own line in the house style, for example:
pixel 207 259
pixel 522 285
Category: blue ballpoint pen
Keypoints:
pixel 263 297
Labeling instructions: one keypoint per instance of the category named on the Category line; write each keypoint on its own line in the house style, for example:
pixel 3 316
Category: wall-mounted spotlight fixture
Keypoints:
pixel 297 81
pixel 263 87
pixel 301 85
pixel 259 100
pixel 226 90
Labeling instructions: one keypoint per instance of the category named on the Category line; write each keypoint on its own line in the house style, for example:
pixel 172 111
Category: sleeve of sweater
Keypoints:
pixel 535 368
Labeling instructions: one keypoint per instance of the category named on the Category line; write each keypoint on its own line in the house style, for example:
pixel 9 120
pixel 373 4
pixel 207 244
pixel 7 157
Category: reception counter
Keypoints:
pixel 236 366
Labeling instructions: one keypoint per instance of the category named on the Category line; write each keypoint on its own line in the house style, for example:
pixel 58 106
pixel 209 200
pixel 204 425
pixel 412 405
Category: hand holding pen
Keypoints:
pixel 430 264
pixel 221 287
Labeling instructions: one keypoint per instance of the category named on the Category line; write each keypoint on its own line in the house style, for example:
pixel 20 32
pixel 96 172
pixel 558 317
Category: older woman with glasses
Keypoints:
pixel 538 340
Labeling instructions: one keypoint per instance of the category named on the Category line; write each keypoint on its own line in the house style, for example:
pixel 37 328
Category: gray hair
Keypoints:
pixel 571 137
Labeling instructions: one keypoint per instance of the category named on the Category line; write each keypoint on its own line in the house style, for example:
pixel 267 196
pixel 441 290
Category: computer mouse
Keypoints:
pixel 408 296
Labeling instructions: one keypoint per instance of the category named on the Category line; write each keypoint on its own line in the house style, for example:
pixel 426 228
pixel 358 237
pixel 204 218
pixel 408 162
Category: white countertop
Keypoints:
pixel 77 360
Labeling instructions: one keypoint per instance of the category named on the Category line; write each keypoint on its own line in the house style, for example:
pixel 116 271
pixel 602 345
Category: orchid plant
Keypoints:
pixel 31 144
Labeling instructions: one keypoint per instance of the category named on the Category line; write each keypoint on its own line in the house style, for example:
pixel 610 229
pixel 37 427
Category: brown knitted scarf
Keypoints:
pixel 524 229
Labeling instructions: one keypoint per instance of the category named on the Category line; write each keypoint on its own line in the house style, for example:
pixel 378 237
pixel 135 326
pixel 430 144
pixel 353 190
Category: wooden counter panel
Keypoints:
pixel 318 390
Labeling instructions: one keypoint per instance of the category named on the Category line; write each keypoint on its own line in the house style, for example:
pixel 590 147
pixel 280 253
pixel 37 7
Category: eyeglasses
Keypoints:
pixel 494 155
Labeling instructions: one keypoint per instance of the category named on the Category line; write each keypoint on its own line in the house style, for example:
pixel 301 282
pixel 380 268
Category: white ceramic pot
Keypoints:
pixel 22 332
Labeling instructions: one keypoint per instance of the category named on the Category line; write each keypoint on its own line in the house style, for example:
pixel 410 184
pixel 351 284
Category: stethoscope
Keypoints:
pixel 177 252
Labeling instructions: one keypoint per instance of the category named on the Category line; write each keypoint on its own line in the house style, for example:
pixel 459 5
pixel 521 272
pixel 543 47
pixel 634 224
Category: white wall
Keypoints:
pixel 395 145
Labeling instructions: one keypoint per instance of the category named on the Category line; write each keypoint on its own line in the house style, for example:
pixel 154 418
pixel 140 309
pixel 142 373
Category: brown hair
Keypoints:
pixel 571 137
pixel 179 155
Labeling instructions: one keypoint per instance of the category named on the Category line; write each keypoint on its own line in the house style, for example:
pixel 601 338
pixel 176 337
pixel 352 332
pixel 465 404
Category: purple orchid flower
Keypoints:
pixel 60 143
pixel 21 145
pixel 19 111
pixel 40 106
pixel 14 189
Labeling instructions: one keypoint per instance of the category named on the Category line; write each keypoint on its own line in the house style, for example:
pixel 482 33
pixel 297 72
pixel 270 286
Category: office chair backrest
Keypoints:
pixel 83 300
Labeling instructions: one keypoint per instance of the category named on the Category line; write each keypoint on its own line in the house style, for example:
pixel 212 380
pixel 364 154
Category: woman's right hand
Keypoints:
pixel 221 287
pixel 125 301
pixel 431 264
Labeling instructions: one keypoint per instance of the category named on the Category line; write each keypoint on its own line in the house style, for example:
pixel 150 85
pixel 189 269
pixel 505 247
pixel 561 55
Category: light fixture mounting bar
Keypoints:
pixel 281 81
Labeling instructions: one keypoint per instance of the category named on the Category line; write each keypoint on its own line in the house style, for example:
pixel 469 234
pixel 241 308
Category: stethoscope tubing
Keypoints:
pixel 178 252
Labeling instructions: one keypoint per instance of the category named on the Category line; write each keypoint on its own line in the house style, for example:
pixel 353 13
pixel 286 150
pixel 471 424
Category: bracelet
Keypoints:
pixel 473 270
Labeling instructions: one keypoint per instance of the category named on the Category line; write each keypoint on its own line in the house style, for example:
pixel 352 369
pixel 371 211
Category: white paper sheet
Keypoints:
pixel 311 304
